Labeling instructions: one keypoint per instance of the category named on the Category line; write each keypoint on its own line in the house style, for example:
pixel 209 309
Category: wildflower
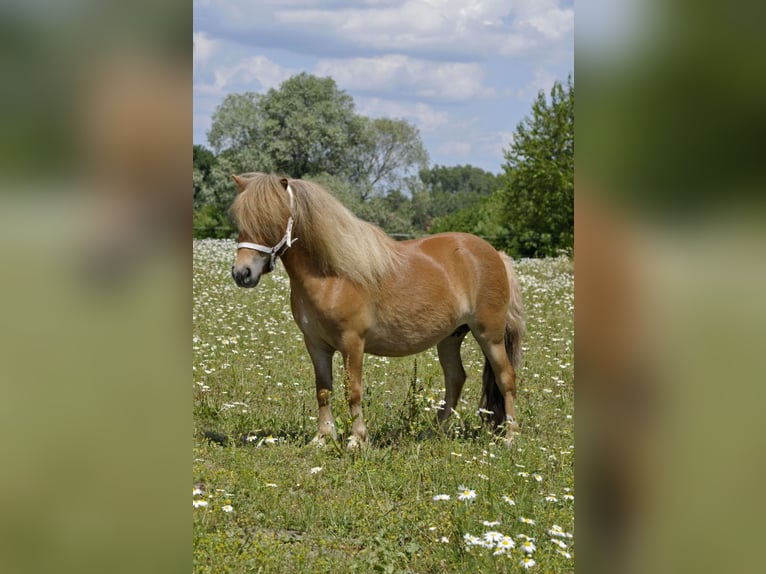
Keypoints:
pixel 198 503
pixel 506 543
pixel 568 497
pixel 472 540
pixel 227 508
pixel 315 469
pixel 466 493
pixel 509 500
pixel 251 438
pixel 523 474
pixel 270 440
pixel 551 498
pixel 484 412
pixel 537 477
pixel 565 554
pixel 196 490
pixel 442 497
pixel 560 543
pixel 527 520
pixel 492 523
pixel 528 547
pixel 493 537
pixel 525 537
pixel 271 484
pixel 556 530
pixel 527 562
pixel 444 539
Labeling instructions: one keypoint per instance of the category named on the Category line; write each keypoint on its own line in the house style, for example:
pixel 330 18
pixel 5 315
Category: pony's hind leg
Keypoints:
pixel 321 358
pixel 454 373
pixel 499 392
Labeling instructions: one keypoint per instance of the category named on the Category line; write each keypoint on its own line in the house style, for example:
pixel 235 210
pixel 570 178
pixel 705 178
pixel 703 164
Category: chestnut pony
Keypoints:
pixel 356 290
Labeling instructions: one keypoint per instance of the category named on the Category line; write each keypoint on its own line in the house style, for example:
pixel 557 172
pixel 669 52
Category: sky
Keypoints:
pixel 465 72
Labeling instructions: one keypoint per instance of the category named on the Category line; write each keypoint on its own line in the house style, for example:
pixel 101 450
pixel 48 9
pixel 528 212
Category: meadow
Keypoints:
pixel 417 499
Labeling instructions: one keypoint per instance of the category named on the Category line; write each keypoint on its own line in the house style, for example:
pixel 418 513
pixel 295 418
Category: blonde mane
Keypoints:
pixel 338 242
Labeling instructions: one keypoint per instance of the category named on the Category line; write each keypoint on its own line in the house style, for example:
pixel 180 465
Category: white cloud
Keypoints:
pixel 204 48
pixel 399 73
pixel 542 79
pixel 256 73
pixel 422 115
pixel 470 28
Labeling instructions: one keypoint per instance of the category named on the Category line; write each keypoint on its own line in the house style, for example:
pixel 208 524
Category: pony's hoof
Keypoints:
pixel 355 443
pixel 318 441
pixel 509 438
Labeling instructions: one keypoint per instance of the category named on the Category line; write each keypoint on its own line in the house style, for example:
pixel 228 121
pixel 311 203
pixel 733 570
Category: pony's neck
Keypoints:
pixel 299 264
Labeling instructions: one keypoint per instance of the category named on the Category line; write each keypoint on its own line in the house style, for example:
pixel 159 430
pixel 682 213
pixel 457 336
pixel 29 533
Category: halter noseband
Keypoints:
pixel 283 245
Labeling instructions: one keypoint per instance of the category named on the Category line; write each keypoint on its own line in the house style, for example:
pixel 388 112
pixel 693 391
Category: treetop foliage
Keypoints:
pixel 308 128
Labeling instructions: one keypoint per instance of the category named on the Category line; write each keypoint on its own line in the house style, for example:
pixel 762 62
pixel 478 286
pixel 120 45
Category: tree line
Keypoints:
pixel 378 167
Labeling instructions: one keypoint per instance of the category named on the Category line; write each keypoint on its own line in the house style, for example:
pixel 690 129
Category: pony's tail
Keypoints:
pixel 492 399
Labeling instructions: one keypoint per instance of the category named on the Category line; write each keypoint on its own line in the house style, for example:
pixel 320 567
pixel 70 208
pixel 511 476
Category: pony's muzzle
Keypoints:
pixel 244 275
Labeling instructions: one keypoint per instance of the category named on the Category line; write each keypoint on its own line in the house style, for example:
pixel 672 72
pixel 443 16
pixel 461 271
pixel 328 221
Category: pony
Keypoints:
pixel 355 290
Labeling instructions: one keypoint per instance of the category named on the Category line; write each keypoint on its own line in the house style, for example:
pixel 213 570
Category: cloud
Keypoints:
pixel 256 73
pixel 435 29
pixel 204 48
pixel 542 79
pixel 395 73
pixel 422 115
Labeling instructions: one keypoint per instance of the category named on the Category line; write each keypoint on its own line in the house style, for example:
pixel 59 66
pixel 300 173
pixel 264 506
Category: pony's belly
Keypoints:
pixel 398 344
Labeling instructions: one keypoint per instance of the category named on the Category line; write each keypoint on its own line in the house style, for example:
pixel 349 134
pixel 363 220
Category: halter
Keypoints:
pixel 283 245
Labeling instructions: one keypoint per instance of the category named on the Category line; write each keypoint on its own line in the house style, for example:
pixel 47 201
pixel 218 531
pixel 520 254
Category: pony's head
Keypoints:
pixel 263 213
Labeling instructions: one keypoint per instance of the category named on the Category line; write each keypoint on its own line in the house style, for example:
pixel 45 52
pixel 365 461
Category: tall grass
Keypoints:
pixel 276 504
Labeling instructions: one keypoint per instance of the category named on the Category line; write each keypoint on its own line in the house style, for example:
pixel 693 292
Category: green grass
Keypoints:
pixel 371 511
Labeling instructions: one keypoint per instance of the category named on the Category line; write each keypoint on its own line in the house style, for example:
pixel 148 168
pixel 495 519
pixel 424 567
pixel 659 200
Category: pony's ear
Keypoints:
pixel 240 181
pixel 284 182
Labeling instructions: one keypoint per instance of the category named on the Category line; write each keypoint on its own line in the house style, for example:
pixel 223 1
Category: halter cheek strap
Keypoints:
pixel 283 245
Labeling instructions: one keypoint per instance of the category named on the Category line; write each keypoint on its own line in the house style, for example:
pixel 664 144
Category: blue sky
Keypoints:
pixel 465 72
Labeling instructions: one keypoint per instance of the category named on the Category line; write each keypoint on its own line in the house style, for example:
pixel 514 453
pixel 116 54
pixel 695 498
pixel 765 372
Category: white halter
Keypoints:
pixel 283 244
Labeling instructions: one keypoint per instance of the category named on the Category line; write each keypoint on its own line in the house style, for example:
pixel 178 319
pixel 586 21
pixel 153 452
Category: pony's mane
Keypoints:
pixel 339 243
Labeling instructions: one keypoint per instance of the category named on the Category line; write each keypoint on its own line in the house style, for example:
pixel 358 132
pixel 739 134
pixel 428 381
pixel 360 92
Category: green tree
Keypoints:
pixel 447 190
pixel 484 219
pixel 202 159
pixel 236 123
pixel 539 177
pixel 389 151
pixel 308 127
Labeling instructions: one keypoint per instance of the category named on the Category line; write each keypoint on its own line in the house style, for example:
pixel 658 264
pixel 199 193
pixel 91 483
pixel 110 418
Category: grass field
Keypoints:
pixel 266 501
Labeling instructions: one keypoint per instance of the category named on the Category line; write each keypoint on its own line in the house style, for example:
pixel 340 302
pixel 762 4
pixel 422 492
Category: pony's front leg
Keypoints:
pixel 321 358
pixel 353 357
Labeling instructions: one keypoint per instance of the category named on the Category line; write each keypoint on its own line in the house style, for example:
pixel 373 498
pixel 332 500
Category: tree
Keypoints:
pixel 236 123
pixel 202 159
pixel 309 127
pixel 389 151
pixel 460 179
pixel 448 190
pixel 539 177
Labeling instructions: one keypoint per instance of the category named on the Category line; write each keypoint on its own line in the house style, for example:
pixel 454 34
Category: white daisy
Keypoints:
pixel 466 493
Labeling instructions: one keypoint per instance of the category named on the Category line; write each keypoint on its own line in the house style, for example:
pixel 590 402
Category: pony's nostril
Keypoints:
pixel 246 272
